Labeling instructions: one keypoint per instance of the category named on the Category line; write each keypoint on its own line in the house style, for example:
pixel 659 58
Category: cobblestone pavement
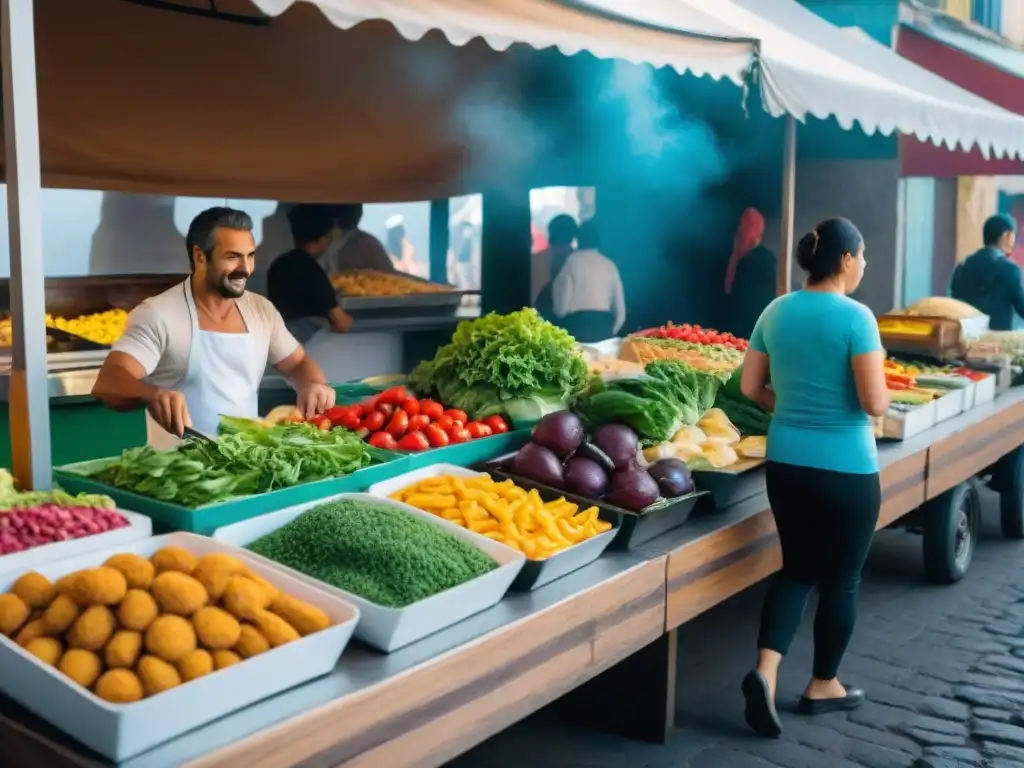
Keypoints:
pixel 943 668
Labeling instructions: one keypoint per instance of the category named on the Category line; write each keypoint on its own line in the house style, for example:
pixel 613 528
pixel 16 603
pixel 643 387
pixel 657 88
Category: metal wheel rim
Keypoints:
pixel 964 542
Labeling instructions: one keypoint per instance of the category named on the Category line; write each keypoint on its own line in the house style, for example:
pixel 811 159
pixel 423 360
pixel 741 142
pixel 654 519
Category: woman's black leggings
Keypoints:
pixel 825 521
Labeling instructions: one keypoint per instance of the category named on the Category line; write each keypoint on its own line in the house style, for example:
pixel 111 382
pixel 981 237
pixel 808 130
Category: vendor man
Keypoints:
pixel 200 349
pixel 988 280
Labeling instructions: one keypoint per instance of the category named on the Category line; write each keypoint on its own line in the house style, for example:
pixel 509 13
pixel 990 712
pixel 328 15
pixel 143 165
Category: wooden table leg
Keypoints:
pixel 635 699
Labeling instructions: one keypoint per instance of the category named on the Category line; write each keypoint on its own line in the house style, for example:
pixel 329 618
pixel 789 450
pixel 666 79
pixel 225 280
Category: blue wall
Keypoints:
pixel 876 17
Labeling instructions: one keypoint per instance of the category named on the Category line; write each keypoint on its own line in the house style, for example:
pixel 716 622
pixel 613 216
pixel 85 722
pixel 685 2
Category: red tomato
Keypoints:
pixel 478 429
pixel 394 396
pixel 411 406
pixel 351 421
pixel 418 422
pixel 324 424
pixel 374 421
pixel 414 441
pixel 357 409
pixel 438 437
pixel 431 408
pixel 497 424
pixel 444 422
pixel 386 408
pixel 460 435
pixel 399 424
pixel 383 440
pixel 337 413
pixel 370 403
pixel 456 415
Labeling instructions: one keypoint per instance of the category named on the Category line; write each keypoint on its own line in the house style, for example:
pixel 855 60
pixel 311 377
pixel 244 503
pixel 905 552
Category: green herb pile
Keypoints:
pixel 249 458
pixel 375 551
pixel 747 416
pixel 670 395
pixel 517 364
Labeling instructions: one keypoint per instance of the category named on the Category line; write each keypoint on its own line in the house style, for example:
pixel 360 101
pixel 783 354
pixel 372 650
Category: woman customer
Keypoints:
pixel 821 352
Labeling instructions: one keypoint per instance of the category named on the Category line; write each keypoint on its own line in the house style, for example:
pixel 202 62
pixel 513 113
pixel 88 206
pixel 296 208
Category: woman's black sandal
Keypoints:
pixel 852 700
pixel 760 711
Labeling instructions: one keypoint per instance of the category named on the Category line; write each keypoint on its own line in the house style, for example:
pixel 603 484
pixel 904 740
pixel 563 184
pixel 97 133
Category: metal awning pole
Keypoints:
pixel 784 270
pixel 29 396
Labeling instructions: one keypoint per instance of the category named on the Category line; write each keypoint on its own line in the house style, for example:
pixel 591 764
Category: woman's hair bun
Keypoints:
pixel 806 249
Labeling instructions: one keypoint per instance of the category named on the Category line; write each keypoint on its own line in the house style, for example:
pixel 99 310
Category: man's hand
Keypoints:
pixel 169 410
pixel 315 398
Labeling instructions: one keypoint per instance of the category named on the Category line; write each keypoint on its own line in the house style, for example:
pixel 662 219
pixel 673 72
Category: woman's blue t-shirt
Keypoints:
pixel 810 337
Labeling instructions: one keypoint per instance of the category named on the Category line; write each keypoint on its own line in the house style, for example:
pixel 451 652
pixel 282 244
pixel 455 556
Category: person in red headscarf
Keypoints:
pixel 749 275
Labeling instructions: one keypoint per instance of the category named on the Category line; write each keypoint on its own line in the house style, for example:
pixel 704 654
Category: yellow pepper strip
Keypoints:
pixel 572 534
pixel 477 514
pixel 483 526
pixel 603 526
pixel 431 501
pixel 495 535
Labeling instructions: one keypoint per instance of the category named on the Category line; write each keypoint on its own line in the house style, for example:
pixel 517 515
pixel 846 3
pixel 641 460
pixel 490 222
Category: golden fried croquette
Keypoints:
pixel 137 571
pixel 137 610
pixel 225 659
pixel 178 593
pixel 157 675
pixel 215 570
pixel 195 664
pixel 174 559
pixel 13 613
pixel 251 642
pixel 243 597
pixel 61 614
pixel 47 649
pixel 99 586
pixel 81 666
pixel 274 628
pixel 304 617
pixel 119 686
pixel 34 589
pixel 33 629
pixel 66 584
pixel 270 589
pixel 170 637
pixel 123 649
pixel 216 629
pixel 92 629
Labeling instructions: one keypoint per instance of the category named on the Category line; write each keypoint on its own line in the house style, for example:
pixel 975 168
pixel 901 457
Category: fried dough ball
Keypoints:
pixel 275 629
pixel 271 590
pixel 174 559
pixel 47 649
pixel 92 629
pixel 178 593
pixel 225 659
pixel 32 630
pixel 65 584
pixel 251 642
pixel 99 586
pixel 123 649
pixel 215 570
pixel 170 638
pixel 157 675
pixel 119 686
pixel 81 666
pixel 61 614
pixel 13 613
pixel 137 571
pixel 34 589
pixel 304 617
pixel 195 664
pixel 137 610
pixel 217 629
pixel 243 597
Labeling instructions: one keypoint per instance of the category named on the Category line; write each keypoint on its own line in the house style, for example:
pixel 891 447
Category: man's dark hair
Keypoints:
pixel 200 231
pixel 997 226
pixel 562 230
pixel 348 215
pixel 310 222
pixel 588 237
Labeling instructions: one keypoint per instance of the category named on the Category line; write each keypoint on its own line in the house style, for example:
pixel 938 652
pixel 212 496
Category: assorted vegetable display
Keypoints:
pixel 694 334
pixel 506 513
pixel 716 358
pixel 135 627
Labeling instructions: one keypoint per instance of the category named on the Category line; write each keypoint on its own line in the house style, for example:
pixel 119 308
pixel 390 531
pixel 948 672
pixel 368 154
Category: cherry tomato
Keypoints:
pixel 351 421
pixel 444 422
pixel 438 437
pixel 431 408
pixel 399 424
pixel 357 409
pixel 383 440
pixel 393 396
pixel 411 406
pixel 324 424
pixel 374 421
pixel 478 429
pixel 418 422
pixel 386 408
pixel 460 435
pixel 456 415
pixel 414 441
pixel 497 424
pixel 337 413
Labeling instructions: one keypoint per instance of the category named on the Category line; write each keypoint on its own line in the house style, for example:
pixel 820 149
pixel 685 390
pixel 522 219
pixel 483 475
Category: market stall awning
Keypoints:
pixel 811 67
pixel 975 59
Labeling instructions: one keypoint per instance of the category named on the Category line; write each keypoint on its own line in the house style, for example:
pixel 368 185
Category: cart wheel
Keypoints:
pixel 1010 475
pixel 952 522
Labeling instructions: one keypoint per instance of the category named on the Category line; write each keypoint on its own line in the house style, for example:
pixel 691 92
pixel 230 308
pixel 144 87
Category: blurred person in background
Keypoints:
pixel 586 293
pixel 352 248
pixel 749 275
pixel 463 269
pixel 546 263
pixel 400 250
pixel 988 280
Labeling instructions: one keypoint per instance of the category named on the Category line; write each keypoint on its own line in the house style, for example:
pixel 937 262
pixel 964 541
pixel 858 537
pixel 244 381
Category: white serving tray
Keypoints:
pixel 388 629
pixel 900 426
pixel 536 573
pixel 985 391
pixel 120 731
pixel 139 527
pixel 949 405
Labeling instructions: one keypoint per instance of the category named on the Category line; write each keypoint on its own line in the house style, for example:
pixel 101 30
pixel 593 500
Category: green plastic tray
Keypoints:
pixel 205 520
pixel 473 452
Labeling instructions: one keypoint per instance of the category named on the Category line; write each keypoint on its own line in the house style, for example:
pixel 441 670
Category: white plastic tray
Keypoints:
pixel 139 527
pixel 388 629
pixel 986 390
pixel 949 405
pixel 535 573
pixel 120 731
